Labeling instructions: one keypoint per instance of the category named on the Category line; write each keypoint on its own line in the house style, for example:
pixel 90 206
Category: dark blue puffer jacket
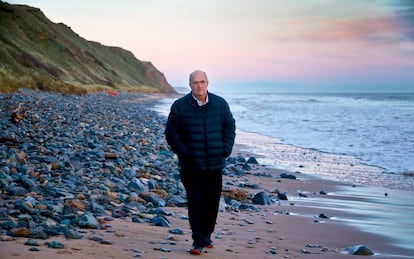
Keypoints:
pixel 201 136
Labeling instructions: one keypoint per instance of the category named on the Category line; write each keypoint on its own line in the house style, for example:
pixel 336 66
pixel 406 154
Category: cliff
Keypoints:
pixel 37 53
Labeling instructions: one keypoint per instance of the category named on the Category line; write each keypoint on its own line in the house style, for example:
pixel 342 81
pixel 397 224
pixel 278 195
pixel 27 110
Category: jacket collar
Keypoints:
pixel 199 103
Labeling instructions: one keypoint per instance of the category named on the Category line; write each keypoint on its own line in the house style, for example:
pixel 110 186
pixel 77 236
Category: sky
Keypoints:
pixel 284 45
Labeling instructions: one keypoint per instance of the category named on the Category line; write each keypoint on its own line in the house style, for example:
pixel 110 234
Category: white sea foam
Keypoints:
pixel 373 131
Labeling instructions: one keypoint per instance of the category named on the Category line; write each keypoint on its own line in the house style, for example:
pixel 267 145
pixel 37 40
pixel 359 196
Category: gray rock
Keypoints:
pixel 87 220
pixel 282 196
pixel 55 244
pixel 176 231
pixel 137 219
pixel 160 221
pixel 323 216
pixel 71 234
pixel 31 242
pixel 177 201
pixel 287 176
pixel 358 250
pixel 18 191
pixel 261 198
pixel 252 160
pixel 38 233
pixel 155 200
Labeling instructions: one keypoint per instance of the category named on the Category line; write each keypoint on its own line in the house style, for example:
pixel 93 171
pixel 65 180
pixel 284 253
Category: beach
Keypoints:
pixel 288 230
pixel 319 219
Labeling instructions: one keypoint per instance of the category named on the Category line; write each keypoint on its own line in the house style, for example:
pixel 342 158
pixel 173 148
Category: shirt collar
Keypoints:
pixel 200 103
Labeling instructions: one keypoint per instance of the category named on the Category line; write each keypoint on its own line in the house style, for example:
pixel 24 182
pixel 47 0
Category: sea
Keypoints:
pixel 376 129
pixel 364 139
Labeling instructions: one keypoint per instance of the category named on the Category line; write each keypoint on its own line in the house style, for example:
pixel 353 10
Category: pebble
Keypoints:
pixel 323 216
pixel 163 249
pixel 55 244
pixel 31 242
pixel 272 250
pixel 358 250
pixel 176 231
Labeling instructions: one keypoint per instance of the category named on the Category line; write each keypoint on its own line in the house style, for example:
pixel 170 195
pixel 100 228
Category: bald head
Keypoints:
pixel 198 73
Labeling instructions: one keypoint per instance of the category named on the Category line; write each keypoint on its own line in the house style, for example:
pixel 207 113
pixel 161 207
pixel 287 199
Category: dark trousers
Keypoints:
pixel 203 196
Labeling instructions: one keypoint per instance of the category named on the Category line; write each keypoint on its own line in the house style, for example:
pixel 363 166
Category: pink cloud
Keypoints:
pixel 377 30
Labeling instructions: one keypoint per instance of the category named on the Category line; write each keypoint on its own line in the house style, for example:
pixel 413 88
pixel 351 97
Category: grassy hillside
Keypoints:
pixel 37 53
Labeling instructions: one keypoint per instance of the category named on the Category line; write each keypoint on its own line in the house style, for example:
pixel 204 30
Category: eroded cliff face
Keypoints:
pixel 38 53
pixel 155 75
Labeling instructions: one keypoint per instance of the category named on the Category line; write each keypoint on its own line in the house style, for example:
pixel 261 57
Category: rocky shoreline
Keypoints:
pixel 74 164
pixel 99 154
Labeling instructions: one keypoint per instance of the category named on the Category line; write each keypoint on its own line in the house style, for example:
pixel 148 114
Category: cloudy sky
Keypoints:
pixel 309 45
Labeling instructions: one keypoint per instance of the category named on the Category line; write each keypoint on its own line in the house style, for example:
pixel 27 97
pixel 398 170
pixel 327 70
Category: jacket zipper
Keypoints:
pixel 203 117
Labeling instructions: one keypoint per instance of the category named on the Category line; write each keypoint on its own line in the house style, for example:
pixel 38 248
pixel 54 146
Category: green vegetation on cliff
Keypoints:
pixel 39 54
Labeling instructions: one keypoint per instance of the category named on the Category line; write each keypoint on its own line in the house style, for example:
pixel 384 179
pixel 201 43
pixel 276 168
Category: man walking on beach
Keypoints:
pixel 201 131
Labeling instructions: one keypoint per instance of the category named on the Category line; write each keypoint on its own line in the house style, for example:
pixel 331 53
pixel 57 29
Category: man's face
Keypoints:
pixel 199 85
